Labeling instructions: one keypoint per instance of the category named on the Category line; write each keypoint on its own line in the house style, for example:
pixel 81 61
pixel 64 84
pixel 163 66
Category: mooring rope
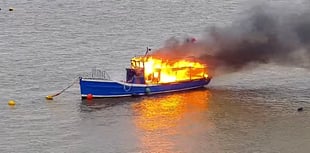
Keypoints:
pixel 50 97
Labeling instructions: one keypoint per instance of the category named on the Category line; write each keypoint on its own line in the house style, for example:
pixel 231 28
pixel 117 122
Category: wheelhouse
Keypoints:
pixel 151 70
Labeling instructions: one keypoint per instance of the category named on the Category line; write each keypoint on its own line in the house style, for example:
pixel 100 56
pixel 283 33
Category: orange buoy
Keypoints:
pixel 89 96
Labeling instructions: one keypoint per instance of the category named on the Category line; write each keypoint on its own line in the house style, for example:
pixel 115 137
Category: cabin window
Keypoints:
pixel 139 64
pixel 156 74
pixel 133 64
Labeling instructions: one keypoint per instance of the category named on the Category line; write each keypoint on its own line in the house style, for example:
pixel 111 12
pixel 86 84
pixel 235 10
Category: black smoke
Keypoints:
pixel 263 35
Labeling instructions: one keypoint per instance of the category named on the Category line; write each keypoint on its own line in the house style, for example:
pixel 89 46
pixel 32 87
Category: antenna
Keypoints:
pixel 147 50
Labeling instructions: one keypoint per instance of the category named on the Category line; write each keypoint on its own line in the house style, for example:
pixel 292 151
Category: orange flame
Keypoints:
pixel 157 70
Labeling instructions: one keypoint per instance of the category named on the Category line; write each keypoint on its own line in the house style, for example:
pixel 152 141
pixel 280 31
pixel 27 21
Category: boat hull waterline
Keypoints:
pixel 108 88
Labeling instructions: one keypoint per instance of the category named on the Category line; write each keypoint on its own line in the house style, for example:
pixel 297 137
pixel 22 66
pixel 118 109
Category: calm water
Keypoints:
pixel 46 44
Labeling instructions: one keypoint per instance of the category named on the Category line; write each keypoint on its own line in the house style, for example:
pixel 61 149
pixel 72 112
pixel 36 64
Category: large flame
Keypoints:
pixel 157 70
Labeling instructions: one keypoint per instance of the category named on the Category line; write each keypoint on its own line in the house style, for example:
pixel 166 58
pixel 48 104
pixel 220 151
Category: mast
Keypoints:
pixel 147 51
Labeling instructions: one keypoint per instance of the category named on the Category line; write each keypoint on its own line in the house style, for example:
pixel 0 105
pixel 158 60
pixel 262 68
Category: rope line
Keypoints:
pixel 75 80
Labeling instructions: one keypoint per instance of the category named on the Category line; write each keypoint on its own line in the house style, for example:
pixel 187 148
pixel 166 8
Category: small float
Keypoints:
pixel 148 75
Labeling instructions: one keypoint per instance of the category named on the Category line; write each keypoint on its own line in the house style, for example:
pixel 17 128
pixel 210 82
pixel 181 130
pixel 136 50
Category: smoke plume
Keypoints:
pixel 262 36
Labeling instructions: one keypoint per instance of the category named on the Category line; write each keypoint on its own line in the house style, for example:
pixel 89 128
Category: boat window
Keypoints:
pixel 141 64
pixel 132 64
pixel 156 74
pixel 138 64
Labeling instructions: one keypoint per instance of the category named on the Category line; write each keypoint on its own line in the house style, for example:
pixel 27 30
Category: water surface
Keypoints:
pixel 47 44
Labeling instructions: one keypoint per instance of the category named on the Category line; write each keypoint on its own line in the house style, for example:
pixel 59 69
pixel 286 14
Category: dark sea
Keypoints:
pixel 46 44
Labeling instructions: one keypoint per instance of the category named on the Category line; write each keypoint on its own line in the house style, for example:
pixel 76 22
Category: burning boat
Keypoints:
pixel 149 75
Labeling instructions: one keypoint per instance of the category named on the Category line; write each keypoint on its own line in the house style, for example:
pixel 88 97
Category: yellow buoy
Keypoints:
pixel 11 103
pixel 49 97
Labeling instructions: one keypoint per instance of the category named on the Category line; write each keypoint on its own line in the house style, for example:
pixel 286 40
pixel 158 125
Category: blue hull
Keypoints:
pixel 108 88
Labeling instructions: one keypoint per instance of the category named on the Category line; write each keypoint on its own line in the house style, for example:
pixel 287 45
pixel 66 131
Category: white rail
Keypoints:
pixel 99 74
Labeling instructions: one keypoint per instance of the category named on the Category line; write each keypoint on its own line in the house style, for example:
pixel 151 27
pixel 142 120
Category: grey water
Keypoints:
pixel 46 44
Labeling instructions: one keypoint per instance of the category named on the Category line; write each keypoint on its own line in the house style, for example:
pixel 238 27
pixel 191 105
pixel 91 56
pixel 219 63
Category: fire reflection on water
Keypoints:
pixel 161 119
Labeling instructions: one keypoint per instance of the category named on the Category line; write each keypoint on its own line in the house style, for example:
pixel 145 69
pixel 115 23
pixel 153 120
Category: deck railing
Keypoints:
pixel 99 74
